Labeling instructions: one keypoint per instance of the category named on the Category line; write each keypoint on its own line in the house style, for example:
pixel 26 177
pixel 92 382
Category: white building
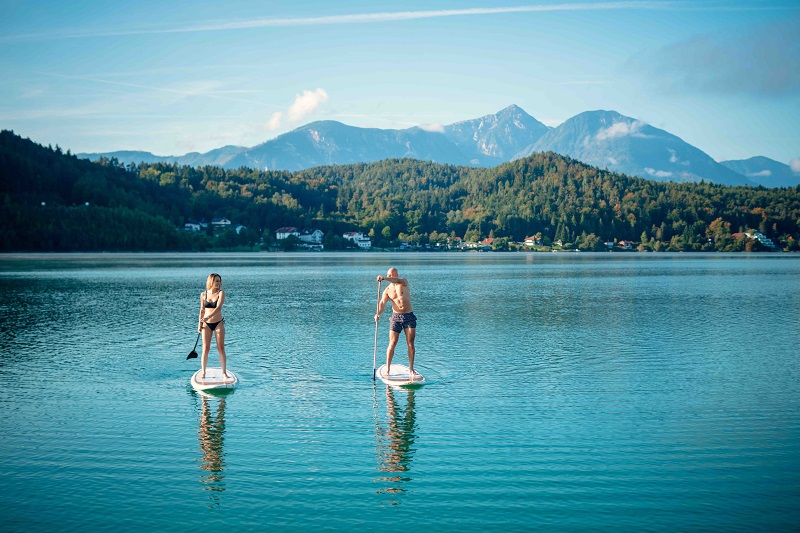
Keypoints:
pixel 220 222
pixel 361 240
pixel 284 233
pixel 533 241
pixel 763 239
pixel 314 237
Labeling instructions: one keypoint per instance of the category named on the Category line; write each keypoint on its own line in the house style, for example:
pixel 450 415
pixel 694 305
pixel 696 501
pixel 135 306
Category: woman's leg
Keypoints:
pixel 219 333
pixel 206 334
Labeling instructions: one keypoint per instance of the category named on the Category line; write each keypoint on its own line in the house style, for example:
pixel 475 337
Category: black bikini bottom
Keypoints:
pixel 213 325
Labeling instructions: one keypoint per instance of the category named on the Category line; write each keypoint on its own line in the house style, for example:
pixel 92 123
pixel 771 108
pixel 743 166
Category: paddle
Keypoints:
pixel 193 353
pixel 375 351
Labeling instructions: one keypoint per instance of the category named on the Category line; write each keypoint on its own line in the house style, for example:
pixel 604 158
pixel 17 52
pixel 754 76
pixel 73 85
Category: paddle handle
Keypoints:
pixel 375 350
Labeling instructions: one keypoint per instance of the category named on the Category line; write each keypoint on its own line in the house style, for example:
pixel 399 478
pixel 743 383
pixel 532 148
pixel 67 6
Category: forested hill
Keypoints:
pixel 141 207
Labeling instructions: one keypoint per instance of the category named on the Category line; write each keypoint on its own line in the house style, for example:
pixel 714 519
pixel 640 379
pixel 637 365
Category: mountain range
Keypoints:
pixel 605 139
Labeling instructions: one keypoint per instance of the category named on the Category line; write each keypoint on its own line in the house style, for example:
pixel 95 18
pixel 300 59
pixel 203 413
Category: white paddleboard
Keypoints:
pixel 214 380
pixel 399 376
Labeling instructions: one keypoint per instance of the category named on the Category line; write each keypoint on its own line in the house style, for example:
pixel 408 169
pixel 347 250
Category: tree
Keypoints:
pixel 544 193
pixel 472 235
pixel 289 243
pixel 266 239
pixel 590 242
pixel 332 241
pixel 500 244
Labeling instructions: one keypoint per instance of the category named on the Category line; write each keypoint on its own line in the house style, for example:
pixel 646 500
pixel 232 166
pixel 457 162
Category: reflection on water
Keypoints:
pixel 211 435
pixel 395 442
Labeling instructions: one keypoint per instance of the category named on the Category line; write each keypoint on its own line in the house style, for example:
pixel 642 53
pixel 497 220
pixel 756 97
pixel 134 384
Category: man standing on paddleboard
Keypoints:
pixel 403 318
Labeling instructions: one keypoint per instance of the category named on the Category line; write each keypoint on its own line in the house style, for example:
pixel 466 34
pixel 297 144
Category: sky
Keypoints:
pixel 176 77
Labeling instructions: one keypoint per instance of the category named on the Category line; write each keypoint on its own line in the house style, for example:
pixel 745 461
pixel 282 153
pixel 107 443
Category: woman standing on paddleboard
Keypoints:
pixel 211 321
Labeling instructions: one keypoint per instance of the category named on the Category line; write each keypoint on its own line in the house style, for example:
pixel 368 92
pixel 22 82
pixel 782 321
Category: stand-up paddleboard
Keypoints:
pixel 214 380
pixel 399 376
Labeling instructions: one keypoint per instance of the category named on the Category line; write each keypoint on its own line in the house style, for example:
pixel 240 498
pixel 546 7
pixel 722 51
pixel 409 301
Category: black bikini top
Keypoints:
pixel 211 305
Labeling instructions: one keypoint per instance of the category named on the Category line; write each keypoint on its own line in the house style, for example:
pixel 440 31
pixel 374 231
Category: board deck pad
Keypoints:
pixel 399 376
pixel 214 379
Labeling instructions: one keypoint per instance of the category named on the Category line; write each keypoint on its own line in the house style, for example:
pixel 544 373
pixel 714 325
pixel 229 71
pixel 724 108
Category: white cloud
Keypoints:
pixel 612 160
pixel 658 173
pixel 433 128
pixel 759 61
pixel 621 129
pixel 673 158
pixel 274 121
pixel 306 103
pixel 303 105
pixel 795 165
pixel 762 174
pixel 551 122
pixel 356 18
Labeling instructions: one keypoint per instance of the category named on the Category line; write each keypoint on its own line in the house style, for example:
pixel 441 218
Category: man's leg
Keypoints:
pixel 411 334
pixel 394 336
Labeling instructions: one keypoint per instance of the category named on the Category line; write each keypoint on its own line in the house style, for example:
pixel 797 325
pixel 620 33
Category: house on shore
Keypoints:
pixel 532 241
pixel 310 237
pixel 455 243
pixel 286 232
pixel 362 241
pixel 762 239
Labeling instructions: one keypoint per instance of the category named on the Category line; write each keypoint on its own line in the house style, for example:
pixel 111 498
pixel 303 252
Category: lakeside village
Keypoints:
pixel 290 238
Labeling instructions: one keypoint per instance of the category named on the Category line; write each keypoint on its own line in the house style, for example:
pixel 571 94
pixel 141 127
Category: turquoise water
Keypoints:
pixel 565 392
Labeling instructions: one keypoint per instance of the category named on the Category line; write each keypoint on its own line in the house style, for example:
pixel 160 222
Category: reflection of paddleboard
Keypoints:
pixel 214 380
pixel 399 376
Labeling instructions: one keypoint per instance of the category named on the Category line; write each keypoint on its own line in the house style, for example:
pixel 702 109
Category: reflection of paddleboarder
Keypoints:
pixel 403 318
pixel 211 435
pixel 395 456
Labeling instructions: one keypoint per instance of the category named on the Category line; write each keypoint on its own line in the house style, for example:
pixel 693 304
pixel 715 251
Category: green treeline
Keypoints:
pixel 142 207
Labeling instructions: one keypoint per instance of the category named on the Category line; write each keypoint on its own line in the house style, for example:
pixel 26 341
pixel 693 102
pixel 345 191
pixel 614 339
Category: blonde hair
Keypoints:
pixel 210 280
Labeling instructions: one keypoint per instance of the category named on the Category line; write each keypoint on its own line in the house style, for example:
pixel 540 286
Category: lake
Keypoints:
pixel 565 392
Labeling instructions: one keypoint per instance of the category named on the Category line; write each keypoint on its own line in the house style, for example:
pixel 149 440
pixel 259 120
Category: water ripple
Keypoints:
pixel 628 392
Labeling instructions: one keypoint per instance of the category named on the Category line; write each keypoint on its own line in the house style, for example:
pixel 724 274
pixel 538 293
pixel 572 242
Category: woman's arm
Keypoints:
pixel 202 307
pixel 220 301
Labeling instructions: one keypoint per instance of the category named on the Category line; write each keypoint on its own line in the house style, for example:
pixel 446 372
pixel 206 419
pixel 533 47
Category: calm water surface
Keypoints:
pixel 566 392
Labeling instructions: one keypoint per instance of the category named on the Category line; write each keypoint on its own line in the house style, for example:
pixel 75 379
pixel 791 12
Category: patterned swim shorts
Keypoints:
pixel 401 321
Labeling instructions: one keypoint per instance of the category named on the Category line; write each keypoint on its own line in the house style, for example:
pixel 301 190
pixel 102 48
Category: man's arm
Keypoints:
pixel 399 281
pixel 382 303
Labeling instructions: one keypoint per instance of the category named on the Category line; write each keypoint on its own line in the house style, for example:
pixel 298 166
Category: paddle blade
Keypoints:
pixel 192 355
